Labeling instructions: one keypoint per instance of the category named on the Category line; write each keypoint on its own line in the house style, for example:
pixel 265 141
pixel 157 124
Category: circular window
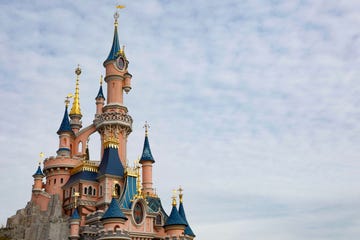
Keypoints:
pixel 138 213
pixel 120 63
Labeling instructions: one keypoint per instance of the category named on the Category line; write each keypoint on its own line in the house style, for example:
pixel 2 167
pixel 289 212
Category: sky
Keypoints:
pixel 253 106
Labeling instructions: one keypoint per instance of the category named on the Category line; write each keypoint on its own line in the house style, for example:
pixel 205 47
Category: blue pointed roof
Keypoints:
pixel 146 155
pixel 65 124
pixel 115 47
pixel 38 172
pixel 110 163
pixel 100 93
pixel 75 214
pixel 188 230
pixel 129 192
pixel 113 211
pixel 175 218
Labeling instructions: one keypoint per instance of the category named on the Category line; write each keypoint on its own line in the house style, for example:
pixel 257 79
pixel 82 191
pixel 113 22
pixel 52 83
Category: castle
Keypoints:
pixel 74 197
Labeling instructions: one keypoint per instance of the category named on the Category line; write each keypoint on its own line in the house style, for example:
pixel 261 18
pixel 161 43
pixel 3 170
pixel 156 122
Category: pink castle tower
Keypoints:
pixel 90 199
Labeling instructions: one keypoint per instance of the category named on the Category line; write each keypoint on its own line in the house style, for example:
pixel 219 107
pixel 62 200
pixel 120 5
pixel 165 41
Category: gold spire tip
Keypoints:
pixel 67 101
pixel 101 80
pixel 174 198
pixel 78 70
pixel 76 104
pixel 180 190
pixel 41 157
pixel 116 14
pixel 146 126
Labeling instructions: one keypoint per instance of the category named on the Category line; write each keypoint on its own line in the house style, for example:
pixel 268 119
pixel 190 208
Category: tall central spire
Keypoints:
pixel 76 104
pixel 115 48
pixel 75 113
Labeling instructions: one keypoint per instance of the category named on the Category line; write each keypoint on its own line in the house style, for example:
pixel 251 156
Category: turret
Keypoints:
pixel 75 225
pixel 75 113
pixel 175 225
pixel 114 115
pixel 113 220
pixel 100 98
pixel 65 132
pixel 38 177
pixel 111 171
pixel 188 231
pixel 147 161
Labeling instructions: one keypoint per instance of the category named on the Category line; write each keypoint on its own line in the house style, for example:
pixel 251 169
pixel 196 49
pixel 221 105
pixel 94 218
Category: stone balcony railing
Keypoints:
pixel 113 118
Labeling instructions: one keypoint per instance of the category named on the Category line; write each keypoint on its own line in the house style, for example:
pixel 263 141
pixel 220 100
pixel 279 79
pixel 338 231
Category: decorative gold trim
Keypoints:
pixel 85 166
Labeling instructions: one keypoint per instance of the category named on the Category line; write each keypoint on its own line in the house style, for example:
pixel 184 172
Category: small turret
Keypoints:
pixel 113 218
pixel 38 177
pixel 65 132
pixel 188 230
pixel 100 98
pixel 75 113
pixel 175 224
pixel 74 225
pixel 147 161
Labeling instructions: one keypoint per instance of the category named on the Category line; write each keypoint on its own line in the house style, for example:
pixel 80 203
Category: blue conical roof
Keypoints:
pixel 38 172
pixel 65 124
pixel 188 230
pixel 75 214
pixel 100 93
pixel 115 47
pixel 110 163
pixel 113 211
pixel 175 218
pixel 146 154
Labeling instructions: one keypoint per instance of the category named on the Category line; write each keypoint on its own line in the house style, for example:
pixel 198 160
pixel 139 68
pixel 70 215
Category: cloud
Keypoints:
pixel 253 105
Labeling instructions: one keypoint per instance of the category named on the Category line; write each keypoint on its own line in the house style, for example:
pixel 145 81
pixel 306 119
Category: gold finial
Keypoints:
pixel 67 101
pixel 116 14
pixel 76 195
pixel 75 110
pixel 78 70
pixel 41 157
pixel 180 190
pixel 146 126
pixel 174 198
pixel 101 80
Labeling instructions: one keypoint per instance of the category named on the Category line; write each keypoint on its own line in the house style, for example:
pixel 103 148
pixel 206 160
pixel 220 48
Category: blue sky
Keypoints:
pixel 253 105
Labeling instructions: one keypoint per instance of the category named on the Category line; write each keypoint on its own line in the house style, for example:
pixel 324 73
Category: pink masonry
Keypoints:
pixel 105 198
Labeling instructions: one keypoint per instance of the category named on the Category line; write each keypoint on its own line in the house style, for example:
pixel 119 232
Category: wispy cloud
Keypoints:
pixel 253 105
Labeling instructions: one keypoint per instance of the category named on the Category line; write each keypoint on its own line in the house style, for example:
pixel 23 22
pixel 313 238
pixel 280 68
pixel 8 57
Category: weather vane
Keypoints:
pixel 67 101
pixel 116 14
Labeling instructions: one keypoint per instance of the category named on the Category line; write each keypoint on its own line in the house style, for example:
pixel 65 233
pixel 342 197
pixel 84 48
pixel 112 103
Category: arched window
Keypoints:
pixel 61 180
pixel 117 190
pixel 85 190
pixel 158 219
pixel 116 228
pixel 55 181
pixel 94 192
pixel 80 146
pixel 90 190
